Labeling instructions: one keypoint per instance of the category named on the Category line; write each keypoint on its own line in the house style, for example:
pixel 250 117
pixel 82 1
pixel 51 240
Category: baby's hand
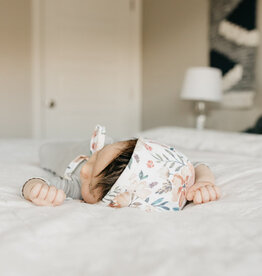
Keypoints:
pixel 37 191
pixel 202 192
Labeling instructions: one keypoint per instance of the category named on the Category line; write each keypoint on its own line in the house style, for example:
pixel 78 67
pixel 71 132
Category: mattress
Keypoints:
pixel 223 237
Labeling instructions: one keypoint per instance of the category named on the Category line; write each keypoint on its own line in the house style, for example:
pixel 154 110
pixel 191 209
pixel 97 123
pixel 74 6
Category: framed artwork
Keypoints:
pixel 233 45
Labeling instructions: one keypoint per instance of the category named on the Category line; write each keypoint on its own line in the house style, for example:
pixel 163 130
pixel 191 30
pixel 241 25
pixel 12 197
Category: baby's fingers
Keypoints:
pixel 190 195
pixel 204 194
pixel 60 197
pixel 51 194
pixel 43 193
pixel 197 186
pixel 35 191
pixel 197 197
pixel 218 192
pixel 212 192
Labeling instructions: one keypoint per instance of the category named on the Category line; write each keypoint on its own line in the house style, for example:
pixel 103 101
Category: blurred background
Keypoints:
pixel 66 65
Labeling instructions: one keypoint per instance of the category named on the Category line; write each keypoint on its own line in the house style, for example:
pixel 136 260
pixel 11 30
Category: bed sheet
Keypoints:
pixel 218 238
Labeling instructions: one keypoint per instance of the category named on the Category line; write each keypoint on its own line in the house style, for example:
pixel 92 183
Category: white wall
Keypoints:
pixel 15 65
pixel 15 95
pixel 175 37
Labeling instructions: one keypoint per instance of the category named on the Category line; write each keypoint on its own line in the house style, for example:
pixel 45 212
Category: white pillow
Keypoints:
pixel 208 140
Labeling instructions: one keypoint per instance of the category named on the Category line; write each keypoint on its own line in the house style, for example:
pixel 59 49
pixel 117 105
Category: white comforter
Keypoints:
pixel 218 238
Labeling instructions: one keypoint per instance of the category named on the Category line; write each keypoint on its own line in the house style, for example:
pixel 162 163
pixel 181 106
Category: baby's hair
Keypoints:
pixel 109 175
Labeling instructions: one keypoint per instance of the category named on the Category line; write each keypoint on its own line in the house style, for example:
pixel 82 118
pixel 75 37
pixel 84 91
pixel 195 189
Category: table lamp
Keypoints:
pixel 202 84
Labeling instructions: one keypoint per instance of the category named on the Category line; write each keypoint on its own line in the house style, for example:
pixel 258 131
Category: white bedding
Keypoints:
pixel 217 238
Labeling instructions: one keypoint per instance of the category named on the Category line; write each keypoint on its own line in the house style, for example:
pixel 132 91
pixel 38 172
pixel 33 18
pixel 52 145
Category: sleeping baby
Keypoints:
pixel 139 173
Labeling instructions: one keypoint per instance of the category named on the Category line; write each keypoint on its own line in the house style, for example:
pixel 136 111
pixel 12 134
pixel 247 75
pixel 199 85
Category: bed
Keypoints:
pixel 218 238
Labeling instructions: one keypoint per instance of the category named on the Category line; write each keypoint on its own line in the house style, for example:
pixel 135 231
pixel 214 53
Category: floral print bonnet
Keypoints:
pixel 98 139
pixel 156 178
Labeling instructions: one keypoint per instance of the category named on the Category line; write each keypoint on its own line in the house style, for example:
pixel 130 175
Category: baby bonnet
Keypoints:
pixel 156 178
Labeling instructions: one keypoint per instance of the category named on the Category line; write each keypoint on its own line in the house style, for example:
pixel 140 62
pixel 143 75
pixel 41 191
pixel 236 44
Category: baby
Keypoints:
pixel 139 173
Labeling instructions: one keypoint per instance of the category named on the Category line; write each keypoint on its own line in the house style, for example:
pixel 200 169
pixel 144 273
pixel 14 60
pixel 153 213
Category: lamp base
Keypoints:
pixel 200 108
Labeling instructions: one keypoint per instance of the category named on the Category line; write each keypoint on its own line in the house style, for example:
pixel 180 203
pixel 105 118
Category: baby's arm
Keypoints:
pixel 204 188
pixel 40 193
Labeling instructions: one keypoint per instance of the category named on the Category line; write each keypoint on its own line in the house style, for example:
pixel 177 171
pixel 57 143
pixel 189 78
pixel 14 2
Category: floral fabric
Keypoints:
pixel 155 179
pixel 98 139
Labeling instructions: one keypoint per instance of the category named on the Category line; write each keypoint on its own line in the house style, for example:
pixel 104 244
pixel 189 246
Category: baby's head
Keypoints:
pixel 104 168
pixel 143 173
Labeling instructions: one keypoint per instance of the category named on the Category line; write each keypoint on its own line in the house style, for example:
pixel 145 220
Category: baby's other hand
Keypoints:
pixel 37 191
pixel 202 192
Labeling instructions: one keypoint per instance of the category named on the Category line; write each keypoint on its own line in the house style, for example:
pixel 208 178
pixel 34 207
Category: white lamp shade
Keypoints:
pixel 202 84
